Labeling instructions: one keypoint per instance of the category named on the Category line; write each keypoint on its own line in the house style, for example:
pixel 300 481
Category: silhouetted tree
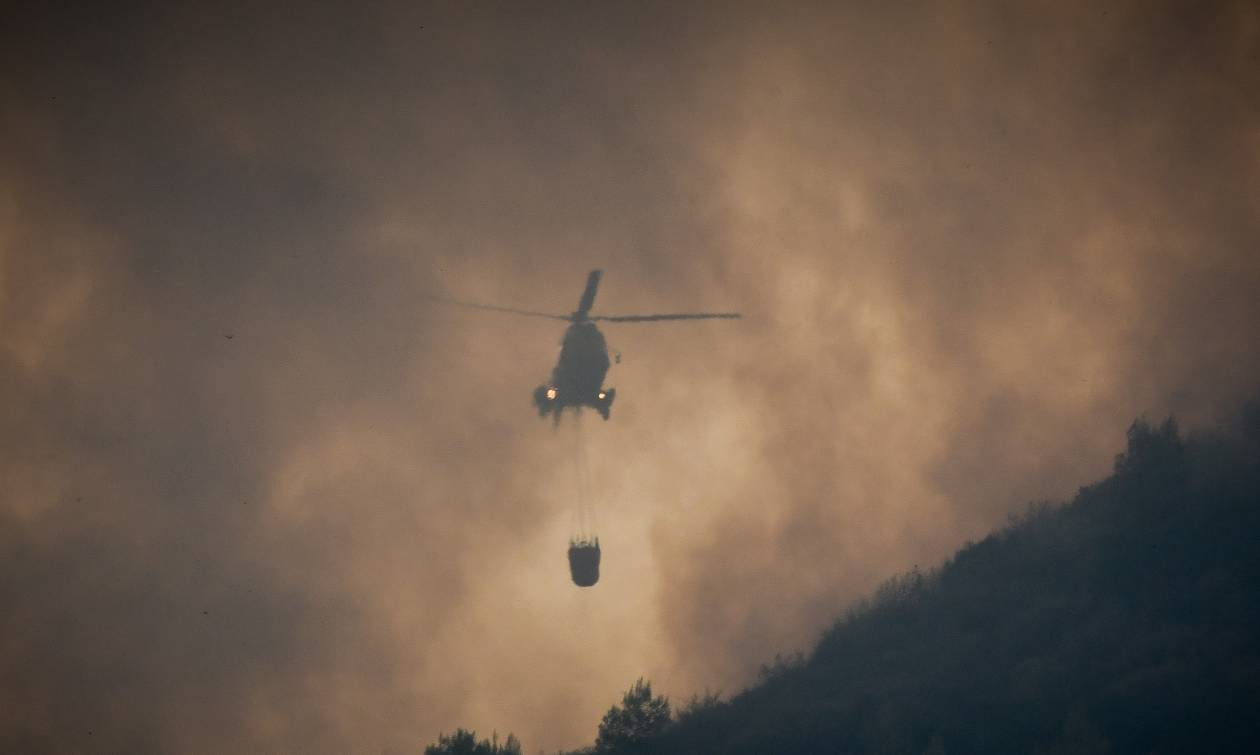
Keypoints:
pixel 782 666
pixel 465 743
pixel 1151 448
pixel 700 705
pixel 639 718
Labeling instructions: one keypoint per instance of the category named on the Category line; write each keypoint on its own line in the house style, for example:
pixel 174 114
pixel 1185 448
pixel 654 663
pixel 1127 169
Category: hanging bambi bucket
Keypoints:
pixel 584 562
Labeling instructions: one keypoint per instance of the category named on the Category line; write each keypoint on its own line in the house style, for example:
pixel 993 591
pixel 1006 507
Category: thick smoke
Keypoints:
pixel 259 494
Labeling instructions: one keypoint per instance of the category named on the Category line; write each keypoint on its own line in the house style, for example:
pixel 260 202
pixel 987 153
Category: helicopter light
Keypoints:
pixel 551 394
pixel 602 395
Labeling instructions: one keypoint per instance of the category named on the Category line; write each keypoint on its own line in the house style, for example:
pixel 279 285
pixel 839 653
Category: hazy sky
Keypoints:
pixel 972 241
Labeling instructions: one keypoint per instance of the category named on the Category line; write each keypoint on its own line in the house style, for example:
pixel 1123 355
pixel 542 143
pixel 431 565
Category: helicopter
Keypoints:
pixel 577 380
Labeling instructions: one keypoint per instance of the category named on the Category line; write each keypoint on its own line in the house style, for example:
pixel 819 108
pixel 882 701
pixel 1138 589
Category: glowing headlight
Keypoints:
pixel 602 395
pixel 551 394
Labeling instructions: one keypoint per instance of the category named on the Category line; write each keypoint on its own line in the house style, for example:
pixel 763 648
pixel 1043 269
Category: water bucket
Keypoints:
pixel 584 562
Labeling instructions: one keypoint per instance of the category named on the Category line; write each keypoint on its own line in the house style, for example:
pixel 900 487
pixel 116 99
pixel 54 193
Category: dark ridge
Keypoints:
pixel 1125 621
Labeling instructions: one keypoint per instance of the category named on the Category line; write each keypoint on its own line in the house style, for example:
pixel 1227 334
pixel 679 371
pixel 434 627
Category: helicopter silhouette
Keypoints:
pixel 577 380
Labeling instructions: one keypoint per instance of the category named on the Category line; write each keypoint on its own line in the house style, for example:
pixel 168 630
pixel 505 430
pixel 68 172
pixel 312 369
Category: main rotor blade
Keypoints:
pixel 492 308
pixel 657 318
pixel 588 296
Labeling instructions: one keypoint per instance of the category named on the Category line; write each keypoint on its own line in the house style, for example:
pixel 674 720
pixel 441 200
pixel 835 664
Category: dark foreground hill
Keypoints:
pixel 1126 621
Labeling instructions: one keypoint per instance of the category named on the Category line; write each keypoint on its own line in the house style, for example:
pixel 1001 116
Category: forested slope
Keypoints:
pixel 1124 621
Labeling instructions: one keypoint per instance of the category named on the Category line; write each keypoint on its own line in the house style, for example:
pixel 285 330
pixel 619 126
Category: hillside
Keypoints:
pixel 1125 621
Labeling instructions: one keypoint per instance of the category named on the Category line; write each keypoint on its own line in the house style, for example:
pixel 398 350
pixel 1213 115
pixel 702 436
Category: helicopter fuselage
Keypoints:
pixel 578 377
